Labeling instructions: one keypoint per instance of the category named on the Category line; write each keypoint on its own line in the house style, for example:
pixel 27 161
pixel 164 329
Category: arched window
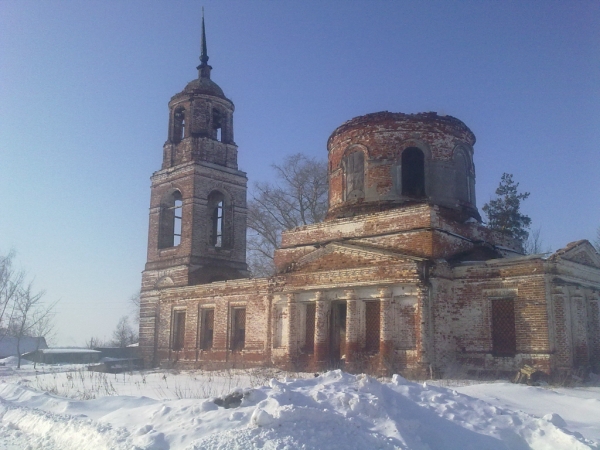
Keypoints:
pixel 354 175
pixel 462 181
pixel 177 209
pixel 170 220
pixel 178 125
pixel 413 173
pixel 218 220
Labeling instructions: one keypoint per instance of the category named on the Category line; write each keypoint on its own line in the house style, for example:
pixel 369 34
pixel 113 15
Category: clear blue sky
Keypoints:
pixel 84 87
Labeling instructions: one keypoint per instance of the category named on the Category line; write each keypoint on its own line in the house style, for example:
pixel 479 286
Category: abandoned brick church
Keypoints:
pixel 401 276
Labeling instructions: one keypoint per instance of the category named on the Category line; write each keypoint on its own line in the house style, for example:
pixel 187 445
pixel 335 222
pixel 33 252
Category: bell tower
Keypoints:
pixel 197 231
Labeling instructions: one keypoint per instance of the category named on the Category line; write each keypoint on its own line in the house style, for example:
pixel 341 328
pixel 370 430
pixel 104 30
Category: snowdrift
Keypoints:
pixel 332 411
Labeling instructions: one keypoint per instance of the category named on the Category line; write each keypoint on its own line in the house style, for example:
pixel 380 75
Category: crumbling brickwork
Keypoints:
pixel 401 277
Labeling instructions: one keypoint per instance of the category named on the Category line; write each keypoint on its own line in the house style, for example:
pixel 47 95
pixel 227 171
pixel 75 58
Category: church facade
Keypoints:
pixel 401 277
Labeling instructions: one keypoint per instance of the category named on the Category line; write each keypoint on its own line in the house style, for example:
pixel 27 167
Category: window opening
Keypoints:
pixel 372 325
pixel 217 125
pixel 354 165
pixel 177 208
pixel 309 340
pixel 238 329
pixel 178 330
pixel 504 339
pixel 207 331
pixel 218 225
pixel 217 228
pixel 462 177
pixel 413 173
pixel 179 125
pixel 170 221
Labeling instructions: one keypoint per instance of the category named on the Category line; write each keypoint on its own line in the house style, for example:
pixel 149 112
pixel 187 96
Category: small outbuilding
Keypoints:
pixel 26 344
pixel 64 356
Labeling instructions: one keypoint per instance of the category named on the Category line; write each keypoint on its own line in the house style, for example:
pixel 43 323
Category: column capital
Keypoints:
pixel 384 292
pixel 350 294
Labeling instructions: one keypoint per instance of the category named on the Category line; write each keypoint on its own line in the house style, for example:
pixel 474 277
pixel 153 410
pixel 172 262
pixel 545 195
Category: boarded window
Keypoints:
pixel 413 173
pixel 309 340
pixel 405 322
pixel 238 329
pixel 504 341
pixel 207 328
pixel 372 326
pixel 178 330
pixel 354 165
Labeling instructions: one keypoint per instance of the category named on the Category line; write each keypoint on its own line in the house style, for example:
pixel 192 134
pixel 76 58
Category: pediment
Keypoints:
pixel 581 252
pixel 335 256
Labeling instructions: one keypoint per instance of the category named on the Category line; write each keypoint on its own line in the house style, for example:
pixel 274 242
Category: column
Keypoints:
pixel 386 326
pixel 321 352
pixel 352 326
pixel 292 329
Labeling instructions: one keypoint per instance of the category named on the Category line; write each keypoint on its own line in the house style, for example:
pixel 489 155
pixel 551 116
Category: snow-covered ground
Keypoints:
pixel 72 408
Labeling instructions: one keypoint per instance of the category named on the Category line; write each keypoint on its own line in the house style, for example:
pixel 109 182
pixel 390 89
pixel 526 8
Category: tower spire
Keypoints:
pixel 204 55
pixel 203 68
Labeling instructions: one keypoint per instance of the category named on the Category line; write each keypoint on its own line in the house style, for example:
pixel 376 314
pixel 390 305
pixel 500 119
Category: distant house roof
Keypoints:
pixel 8 345
pixel 62 351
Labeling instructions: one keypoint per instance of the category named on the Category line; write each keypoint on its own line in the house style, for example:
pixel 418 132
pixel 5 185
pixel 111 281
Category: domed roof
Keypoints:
pixel 420 122
pixel 204 86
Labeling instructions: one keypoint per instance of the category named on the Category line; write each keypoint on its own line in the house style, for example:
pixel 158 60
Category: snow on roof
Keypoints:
pixel 47 351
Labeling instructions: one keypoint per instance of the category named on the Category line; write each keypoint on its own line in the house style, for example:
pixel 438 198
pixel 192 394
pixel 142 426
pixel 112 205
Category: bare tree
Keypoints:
pixel 534 245
pixel 11 280
pixel 95 342
pixel 297 197
pixel 44 328
pixel 30 314
pixel 134 303
pixel 124 334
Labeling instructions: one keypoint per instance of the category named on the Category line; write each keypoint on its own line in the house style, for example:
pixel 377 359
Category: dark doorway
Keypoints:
pixel 372 326
pixel 504 339
pixel 309 340
pixel 337 333
pixel 413 173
